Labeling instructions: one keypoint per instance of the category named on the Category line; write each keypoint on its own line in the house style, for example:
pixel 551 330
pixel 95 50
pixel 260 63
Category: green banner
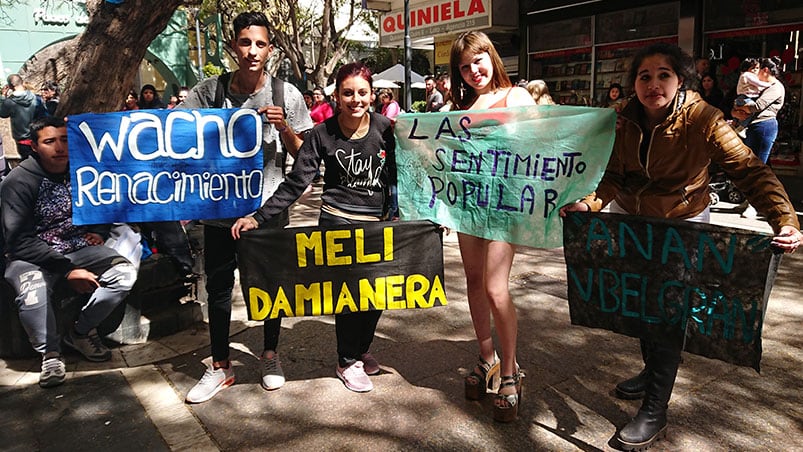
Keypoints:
pixel 502 173
pixel 671 281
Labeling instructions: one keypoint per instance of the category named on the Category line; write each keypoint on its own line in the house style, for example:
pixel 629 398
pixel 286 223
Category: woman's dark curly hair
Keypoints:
pixel 681 63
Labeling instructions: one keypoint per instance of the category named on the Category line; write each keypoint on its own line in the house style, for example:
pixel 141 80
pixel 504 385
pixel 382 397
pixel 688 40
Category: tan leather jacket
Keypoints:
pixel 673 183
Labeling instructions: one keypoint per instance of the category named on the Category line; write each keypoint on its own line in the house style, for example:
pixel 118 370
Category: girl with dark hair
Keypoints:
pixel 479 81
pixel 320 110
pixel 710 92
pixel 615 96
pixel 666 139
pixel 390 108
pixel 50 95
pixel 131 101
pixel 149 98
pixel 353 192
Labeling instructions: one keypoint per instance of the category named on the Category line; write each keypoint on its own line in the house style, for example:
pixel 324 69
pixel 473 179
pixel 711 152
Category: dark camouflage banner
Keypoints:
pixel 672 281
pixel 352 268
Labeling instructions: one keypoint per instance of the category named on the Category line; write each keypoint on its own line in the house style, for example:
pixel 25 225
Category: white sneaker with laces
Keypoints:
pixel 90 345
pixel 354 377
pixel 53 370
pixel 272 374
pixel 213 381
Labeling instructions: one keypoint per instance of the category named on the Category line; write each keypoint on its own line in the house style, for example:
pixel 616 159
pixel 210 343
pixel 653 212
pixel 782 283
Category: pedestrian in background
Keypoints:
pixel 23 107
pixel 444 85
pixel 665 141
pixel 149 98
pixel 433 96
pixel 50 95
pixel 321 110
pixel 710 92
pixel 614 97
pixel 540 92
pixel 131 101
pixel 762 112
pixel 390 108
pixel 478 82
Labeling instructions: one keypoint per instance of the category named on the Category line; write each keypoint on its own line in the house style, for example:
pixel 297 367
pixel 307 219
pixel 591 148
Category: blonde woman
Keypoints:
pixel 540 92
pixel 479 81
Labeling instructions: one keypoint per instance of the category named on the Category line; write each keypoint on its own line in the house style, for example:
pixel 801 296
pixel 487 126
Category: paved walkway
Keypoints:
pixel 135 402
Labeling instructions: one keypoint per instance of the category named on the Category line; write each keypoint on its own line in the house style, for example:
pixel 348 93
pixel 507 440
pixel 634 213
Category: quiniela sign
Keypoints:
pixel 435 18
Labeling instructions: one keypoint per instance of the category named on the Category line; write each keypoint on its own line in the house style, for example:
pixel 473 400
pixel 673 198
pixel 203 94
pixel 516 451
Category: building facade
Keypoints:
pixel 29 27
pixel 580 48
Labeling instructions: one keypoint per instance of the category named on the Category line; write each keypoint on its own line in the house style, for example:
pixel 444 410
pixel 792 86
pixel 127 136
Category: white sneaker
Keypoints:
pixel 749 212
pixel 213 381
pixel 90 345
pixel 53 370
pixel 355 378
pixel 272 374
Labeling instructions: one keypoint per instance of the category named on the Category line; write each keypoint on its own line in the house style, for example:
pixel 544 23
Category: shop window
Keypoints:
pixel 564 34
pixel 638 23
pixel 567 74
pixel 730 14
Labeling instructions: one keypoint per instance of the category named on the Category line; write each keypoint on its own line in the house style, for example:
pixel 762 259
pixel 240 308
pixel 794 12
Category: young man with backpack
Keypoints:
pixel 23 107
pixel 286 119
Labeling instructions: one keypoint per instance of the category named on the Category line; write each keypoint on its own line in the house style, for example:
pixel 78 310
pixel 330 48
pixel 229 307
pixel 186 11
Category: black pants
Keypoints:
pixel 355 332
pixel 220 261
pixel 662 361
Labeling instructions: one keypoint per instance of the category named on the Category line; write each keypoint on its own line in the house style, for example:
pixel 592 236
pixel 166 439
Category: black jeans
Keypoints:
pixel 220 261
pixel 355 331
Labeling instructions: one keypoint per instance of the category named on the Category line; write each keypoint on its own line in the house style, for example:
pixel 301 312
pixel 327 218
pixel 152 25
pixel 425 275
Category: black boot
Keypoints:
pixel 633 388
pixel 649 425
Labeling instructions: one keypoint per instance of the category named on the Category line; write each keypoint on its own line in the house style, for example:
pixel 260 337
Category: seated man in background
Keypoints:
pixel 45 250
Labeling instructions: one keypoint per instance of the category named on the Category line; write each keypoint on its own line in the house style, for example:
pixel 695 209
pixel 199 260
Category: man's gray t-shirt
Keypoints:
pixel 202 95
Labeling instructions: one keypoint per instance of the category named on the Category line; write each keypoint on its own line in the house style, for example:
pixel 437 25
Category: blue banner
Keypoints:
pixel 159 165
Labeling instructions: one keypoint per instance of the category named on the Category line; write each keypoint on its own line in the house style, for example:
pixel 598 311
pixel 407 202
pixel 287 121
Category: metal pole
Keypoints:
pixel 198 43
pixel 408 57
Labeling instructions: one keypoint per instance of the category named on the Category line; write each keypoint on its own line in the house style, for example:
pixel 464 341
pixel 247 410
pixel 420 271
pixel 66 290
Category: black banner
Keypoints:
pixel 363 267
pixel 671 281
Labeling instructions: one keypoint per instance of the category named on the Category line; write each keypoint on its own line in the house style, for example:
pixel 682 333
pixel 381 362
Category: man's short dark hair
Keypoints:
pixel 41 123
pixel 248 19
pixel 14 80
pixel 428 78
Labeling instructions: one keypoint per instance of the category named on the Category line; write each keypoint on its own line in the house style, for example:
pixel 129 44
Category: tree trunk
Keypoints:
pixel 108 53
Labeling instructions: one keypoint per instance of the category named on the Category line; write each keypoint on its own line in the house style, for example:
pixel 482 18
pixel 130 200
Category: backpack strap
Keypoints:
pixel 277 88
pixel 221 90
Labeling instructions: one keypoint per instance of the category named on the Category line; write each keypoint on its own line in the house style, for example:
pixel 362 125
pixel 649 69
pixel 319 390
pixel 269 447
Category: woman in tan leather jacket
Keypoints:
pixel 665 140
